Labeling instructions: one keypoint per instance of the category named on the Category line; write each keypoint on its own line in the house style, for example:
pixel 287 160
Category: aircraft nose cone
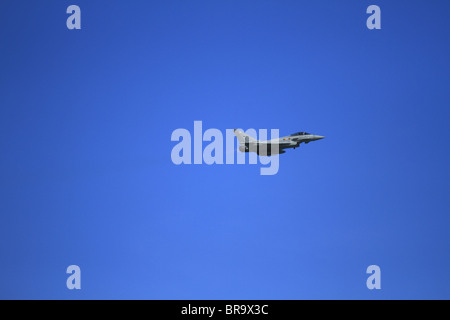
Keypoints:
pixel 319 137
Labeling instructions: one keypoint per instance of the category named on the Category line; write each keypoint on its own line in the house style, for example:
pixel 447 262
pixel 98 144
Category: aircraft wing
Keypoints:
pixel 284 143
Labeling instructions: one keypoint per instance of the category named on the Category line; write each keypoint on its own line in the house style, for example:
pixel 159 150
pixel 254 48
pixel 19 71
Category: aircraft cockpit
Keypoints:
pixel 300 134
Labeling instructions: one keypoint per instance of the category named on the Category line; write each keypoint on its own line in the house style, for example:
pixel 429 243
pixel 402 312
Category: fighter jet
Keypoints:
pixel 274 146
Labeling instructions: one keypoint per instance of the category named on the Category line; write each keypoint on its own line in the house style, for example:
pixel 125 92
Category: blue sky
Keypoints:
pixel 86 176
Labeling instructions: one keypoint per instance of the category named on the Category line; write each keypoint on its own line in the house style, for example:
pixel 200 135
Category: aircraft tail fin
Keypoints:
pixel 242 137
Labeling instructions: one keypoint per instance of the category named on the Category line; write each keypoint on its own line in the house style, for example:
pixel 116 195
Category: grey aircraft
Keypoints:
pixel 274 146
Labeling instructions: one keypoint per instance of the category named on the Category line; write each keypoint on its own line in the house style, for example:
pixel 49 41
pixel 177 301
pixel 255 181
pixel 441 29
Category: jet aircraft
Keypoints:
pixel 274 146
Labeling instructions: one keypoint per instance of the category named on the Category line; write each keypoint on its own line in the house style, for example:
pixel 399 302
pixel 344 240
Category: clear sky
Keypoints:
pixel 86 177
